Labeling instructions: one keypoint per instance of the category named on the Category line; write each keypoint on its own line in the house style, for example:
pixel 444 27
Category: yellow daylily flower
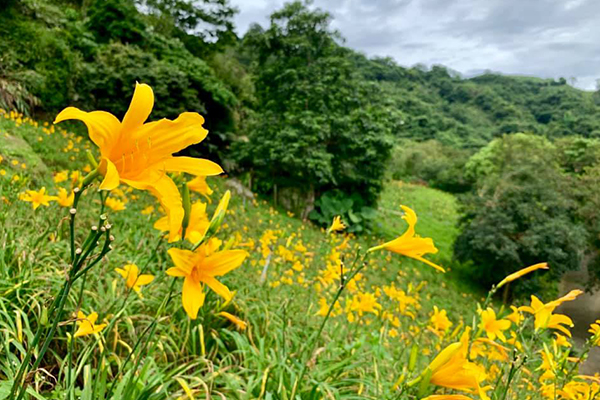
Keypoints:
pixel 543 313
pixel 201 267
pixel 336 225
pixel 439 321
pixel 521 273
pixel 148 210
pixel 409 244
pixel 493 327
pixel 141 154
pixel 451 369
pixel 133 279
pixel 64 198
pixel 37 198
pixel 61 176
pixel 87 325
pixel 197 226
pixel 595 331
pixel 114 204
pixel 241 325
pixel 199 185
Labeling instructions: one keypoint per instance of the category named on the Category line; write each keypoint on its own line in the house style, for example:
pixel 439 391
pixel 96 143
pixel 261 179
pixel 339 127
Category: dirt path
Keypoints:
pixel 583 311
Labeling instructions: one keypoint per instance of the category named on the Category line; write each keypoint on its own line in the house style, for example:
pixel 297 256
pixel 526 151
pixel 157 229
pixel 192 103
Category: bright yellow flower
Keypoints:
pixel 201 267
pixel 365 302
pixel 133 279
pixel 595 331
pixel 61 176
pixel 544 318
pixel 439 320
pixel 115 204
pixel 64 198
pixel 39 198
pixel 451 369
pixel 141 154
pixel 493 327
pixel 197 226
pixel 409 244
pixel 241 325
pixel 516 317
pixel 336 225
pixel 148 210
pixel 87 325
pixel 199 185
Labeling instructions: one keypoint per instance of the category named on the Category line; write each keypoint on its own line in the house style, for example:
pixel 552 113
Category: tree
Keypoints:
pixel 522 212
pixel 320 125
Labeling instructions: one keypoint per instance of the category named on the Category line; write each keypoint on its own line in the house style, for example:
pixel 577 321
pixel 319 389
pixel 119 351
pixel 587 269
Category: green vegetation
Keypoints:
pixel 277 301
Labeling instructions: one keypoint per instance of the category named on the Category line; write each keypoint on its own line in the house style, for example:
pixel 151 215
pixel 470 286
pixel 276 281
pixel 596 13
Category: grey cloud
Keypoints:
pixel 546 38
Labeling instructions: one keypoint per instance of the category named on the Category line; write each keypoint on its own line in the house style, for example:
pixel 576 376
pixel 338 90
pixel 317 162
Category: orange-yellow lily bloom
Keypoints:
pixel 133 279
pixel 543 313
pixel 141 154
pixel 202 267
pixel 87 325
pixel 409 244
pixel 336 225
pixel 451 369
pixel 493 327
pixel 38 198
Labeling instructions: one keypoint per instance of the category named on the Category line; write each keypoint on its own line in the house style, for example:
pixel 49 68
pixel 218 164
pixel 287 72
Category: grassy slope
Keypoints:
pixel 282 315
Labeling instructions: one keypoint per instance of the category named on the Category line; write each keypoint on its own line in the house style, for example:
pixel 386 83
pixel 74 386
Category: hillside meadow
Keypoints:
pixel 304 313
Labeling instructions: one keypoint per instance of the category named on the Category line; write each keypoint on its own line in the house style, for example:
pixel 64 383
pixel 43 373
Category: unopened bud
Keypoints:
pixel 44 317
pixel 111 238
pixel 187 206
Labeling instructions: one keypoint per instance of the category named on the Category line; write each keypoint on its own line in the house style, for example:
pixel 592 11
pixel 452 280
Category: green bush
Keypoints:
pixel 354 213
pixel 522 211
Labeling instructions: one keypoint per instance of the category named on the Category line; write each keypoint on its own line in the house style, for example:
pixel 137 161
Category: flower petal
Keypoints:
pixel 191 165
pixel 192 297
pixel 166 137
pixel 224 261
pixel 103 127
pixel 111 175
pixel 184 260
pixel 165 190
pixel 139 108
pixel 218 287
pixel 144 279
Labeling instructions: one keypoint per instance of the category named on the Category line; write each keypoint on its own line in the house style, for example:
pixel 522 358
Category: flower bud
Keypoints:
pixel 187 207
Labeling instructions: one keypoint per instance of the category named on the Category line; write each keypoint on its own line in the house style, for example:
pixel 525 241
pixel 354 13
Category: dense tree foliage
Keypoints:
pixel 320 125
pixel 533 200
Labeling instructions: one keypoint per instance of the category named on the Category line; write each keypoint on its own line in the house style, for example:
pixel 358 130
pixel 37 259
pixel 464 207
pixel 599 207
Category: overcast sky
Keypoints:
pixel 545 38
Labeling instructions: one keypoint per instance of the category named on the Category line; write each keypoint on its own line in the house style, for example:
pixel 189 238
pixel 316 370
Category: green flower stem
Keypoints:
pixel 18 389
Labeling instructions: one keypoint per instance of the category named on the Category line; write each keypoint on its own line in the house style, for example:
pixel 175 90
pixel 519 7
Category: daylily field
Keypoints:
pixel 128 271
